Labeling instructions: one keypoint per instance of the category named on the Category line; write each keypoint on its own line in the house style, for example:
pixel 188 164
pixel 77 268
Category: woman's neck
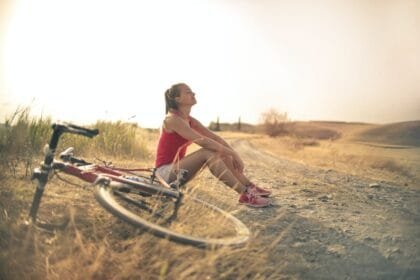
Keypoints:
pixel 183 112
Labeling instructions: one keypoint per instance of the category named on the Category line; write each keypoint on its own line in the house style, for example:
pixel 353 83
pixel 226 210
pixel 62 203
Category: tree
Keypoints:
pixel 274 122
pixel 215 126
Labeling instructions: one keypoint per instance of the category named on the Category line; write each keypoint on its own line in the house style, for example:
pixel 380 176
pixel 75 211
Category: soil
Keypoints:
pixel 325 224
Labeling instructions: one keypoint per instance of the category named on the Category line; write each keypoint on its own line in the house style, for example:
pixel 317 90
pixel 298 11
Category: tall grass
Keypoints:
pixel 22 138
pixel 120 140
pixel 116 139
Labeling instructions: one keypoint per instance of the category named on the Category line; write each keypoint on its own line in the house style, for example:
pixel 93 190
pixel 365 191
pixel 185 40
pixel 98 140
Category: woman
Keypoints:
pixel 180 129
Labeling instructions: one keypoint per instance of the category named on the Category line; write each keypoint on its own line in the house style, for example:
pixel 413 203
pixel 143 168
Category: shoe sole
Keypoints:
pixel 253 205
pixel 262 194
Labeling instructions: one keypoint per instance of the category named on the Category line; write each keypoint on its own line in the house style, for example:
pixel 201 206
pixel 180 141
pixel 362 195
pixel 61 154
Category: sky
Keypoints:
pixel 85 60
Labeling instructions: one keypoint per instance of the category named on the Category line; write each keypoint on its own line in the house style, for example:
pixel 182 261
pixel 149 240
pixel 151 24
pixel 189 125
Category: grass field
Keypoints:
pixel 97 246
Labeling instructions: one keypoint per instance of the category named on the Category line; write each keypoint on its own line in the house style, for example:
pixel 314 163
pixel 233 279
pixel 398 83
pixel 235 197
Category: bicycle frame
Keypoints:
pixel 116 177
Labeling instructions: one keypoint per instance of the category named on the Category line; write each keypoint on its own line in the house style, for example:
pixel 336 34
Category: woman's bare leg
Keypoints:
pixel 239 175
pixel 218 167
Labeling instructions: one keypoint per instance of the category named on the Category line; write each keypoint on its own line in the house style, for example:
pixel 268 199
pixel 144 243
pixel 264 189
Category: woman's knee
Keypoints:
pixel 208 155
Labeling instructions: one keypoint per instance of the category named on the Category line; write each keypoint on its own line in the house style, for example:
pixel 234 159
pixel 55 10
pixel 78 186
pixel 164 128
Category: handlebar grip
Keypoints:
pixel 71 128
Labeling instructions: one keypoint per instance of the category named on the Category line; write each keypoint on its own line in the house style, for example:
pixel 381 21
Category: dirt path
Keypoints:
pixel 327 224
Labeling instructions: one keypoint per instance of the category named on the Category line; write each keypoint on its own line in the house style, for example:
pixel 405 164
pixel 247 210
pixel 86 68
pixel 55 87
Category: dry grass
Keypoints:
pixel 350 157
pixel 96 245
pixel 23 137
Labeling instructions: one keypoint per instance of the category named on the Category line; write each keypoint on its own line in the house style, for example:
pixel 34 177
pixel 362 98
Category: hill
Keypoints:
pixel 301 129
pixel 324 129
pixel 402 133
pixel 345 129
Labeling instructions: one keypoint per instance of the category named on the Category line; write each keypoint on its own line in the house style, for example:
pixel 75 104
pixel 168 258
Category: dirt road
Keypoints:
pixel 326 224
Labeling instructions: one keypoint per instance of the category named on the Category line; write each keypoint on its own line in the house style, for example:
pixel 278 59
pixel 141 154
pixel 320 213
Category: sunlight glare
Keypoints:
pixel 113 61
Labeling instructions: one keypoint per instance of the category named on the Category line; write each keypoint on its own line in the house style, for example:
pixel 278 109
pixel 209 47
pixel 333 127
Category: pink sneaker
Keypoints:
pixel 258 191
pixel 252 200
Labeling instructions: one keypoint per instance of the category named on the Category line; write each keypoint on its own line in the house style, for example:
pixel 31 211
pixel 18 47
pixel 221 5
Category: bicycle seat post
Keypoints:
pixel 153 176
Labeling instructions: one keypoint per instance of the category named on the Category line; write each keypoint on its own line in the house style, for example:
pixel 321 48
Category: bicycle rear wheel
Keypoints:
pixel 188 220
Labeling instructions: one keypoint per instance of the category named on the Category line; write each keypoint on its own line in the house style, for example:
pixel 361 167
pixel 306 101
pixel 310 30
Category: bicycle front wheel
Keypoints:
pixel 187 220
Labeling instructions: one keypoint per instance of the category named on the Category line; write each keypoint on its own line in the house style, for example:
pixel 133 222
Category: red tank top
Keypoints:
pixel 171 147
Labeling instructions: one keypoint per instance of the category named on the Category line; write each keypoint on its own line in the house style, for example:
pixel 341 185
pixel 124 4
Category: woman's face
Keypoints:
pixel 186 96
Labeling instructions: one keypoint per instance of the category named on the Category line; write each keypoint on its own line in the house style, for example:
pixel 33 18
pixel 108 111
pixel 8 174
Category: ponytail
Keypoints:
pixel 170 95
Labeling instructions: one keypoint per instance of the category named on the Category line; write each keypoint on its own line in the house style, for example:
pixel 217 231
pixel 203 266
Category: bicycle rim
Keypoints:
pixel 194 222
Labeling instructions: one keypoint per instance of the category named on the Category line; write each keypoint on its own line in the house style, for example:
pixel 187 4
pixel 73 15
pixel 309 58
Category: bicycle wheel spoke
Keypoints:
pixel 139 203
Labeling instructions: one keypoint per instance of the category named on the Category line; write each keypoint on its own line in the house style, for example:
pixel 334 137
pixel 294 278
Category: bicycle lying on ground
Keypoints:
pixel 140 197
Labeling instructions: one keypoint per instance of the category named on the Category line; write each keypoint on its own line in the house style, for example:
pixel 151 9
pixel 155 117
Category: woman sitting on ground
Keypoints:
pixel 179 130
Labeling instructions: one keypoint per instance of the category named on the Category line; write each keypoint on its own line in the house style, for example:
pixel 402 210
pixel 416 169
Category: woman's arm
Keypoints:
pixel 198 135
pixel 201 129
pixel 198 126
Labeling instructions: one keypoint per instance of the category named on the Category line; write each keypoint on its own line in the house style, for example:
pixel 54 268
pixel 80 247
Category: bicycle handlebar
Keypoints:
pixel 59 129
pixel 71 128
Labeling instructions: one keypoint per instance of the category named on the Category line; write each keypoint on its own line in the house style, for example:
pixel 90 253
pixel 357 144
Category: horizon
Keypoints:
pixel 338 61
pixel 5 118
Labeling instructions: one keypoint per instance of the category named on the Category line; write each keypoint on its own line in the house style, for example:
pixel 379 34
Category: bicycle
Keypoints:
pixel 140 197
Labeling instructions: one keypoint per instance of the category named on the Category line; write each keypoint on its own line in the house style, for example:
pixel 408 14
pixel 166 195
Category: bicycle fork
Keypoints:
pixel 41 174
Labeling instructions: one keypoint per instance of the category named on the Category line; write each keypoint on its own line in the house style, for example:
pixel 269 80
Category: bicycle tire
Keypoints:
pixel 109 198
